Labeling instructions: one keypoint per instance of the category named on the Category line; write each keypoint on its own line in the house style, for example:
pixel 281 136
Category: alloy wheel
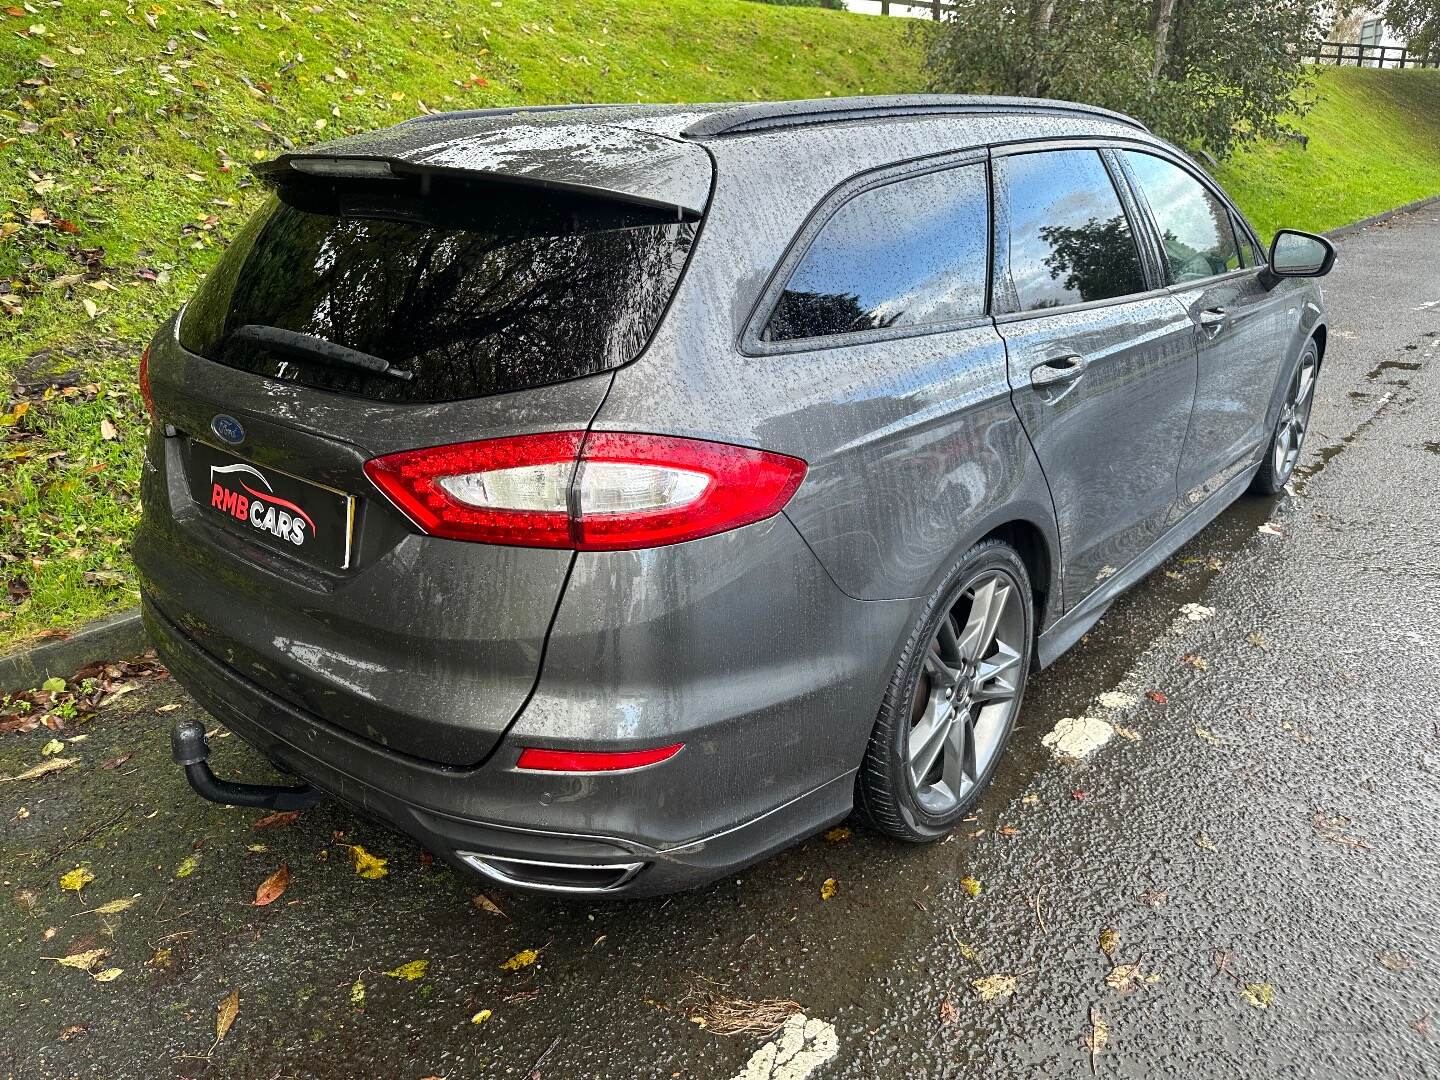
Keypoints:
pixel 973 671
pixel 1294 417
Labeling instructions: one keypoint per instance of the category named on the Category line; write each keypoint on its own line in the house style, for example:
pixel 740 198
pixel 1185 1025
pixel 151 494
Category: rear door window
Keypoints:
pixel 909 253
pixel 474 289
pixel 1195 227
pixel 1070 241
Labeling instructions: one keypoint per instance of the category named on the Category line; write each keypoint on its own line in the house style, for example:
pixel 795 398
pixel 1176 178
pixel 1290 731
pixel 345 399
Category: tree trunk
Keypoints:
pixel 1162 18
pixel 1043 14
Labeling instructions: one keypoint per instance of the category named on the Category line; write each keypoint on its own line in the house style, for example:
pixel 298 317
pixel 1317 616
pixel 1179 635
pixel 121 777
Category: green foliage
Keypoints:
pixel 125 136
pixel 1207 74
pixel 1416 22
pixel 833 5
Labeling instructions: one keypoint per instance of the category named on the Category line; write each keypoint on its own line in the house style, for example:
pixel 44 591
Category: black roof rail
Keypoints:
pixel 764 116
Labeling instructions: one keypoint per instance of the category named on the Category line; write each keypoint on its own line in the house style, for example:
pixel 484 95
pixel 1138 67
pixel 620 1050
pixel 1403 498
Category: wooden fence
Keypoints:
pixel 1354 54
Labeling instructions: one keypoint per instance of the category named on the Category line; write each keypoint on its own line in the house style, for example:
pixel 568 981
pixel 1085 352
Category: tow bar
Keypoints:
pixel 190 750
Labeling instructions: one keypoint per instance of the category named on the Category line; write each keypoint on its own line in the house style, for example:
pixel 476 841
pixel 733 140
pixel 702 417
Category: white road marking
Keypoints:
pixel 1078 737
pixel 801 1046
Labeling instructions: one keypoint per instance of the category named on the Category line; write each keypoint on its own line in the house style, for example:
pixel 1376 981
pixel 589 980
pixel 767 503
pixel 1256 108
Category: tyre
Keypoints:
pixel 952 700
pixel 1289 434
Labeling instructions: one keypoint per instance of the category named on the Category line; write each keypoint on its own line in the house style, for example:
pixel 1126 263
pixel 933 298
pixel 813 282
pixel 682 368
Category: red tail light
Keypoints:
pixel 590 761
pixel 145 393
pixel 605 491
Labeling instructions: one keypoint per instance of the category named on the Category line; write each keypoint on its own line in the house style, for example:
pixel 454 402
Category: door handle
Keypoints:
pixel 1058 369
pixel 1212 319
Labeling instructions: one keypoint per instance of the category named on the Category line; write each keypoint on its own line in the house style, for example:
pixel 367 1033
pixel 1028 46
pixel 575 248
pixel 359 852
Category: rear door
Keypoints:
pixel 1101 359
pixel 1239 325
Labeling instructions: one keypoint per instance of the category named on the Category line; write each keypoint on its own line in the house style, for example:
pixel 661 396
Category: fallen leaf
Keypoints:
pixel 1259 994
pixel 109 974
pixel 415 969
pixel 1109 941
pixel 81 961
pixel 77 879
pixel 188 866
pixel 523 958
pixel 357 992
pixel 272 887
pixel 1204 843
pixel 1259 641
pixel 53 747
pixel 1395 961
pixel 828 888
pixel 1029 799
pixel 108 431
pixel 971 886
pixel 1127 733
pixel 276 819
pixel 994 987
pixel 1157 696
pixel 55 764
pixel 1196 612
pixel 370 867
pixel 1124 977
pixel 53 685
pixel 1271 529
pixel 837 834
pixel 225 1014
pixel 1199 663
pixel 114 907
pixel 1097 1038
pixel 481 1016
pixel 484 903
pixel 116 762
pixel 1209 736
pixel 948 1013
pixel 66 1034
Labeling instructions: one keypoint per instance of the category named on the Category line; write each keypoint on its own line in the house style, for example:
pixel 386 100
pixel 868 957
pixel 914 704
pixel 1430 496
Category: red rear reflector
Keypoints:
pixel 583 761
pixel 145 393
pixel 604 491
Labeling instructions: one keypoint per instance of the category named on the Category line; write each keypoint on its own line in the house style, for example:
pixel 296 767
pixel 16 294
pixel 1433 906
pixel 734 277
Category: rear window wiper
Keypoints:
pixel 315 349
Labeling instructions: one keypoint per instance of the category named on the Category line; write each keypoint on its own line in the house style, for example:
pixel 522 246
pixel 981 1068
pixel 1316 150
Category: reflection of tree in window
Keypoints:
pixel 812 314
pixel 1097 259
pixel 497 301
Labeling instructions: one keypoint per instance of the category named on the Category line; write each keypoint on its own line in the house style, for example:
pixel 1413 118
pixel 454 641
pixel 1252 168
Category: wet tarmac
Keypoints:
pixel 1243 881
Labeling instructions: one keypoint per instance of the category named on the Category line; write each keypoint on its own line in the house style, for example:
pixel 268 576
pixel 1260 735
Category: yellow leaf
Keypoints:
pixel 967 951
pixel 481 1016
pixel 1109 942
pixel 370 867
pixel 415 969
pixel 971 886
pixel 1123 977
pixel 81 961
pixel 53 747
pixel 55 764
pixel 837 834
pixel 828 888
pixel 114 907
pixel 994 987
pixel 109 975
pixel 357 993
pixel 1261 995
pixel 1098 1037
pixel 523 958
pixel 188 866
pixel 77 879
pixel 225 1014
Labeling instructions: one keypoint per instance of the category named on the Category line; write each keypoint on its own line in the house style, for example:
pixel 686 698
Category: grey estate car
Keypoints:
pixel 610 496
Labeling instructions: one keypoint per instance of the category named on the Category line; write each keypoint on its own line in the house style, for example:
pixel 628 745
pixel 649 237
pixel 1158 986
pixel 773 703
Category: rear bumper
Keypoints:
pixel 495 820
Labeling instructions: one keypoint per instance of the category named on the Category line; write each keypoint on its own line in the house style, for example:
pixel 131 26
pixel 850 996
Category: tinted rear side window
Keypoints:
pixel 1069 239
pixel 910 253
pixel 474 292
pixel 1195 227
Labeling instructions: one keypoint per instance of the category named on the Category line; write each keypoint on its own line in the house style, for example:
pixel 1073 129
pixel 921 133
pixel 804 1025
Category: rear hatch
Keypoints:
pixel 378 304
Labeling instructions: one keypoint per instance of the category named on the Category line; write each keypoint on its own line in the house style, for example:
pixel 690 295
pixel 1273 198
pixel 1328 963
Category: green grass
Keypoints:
pixel 123 154
pixel 1374 144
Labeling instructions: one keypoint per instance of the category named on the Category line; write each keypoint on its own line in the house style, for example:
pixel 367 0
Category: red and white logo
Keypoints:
pixel 263 510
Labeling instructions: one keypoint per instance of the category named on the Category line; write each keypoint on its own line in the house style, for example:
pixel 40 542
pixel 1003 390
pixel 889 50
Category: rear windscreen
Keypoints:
pixel 471 288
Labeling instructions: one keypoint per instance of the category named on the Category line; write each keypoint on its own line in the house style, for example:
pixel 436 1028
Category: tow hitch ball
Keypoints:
pixel 190 750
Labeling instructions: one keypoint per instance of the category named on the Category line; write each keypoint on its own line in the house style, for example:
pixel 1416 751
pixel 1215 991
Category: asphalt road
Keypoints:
pixel 1258 854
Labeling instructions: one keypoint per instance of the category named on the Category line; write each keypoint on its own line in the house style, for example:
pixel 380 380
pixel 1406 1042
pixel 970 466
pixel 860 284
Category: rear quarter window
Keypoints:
pixel 476 290
pixel 909 253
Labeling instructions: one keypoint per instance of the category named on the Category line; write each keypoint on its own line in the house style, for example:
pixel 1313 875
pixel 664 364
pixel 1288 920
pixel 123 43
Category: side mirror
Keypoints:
pixel 1295 254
